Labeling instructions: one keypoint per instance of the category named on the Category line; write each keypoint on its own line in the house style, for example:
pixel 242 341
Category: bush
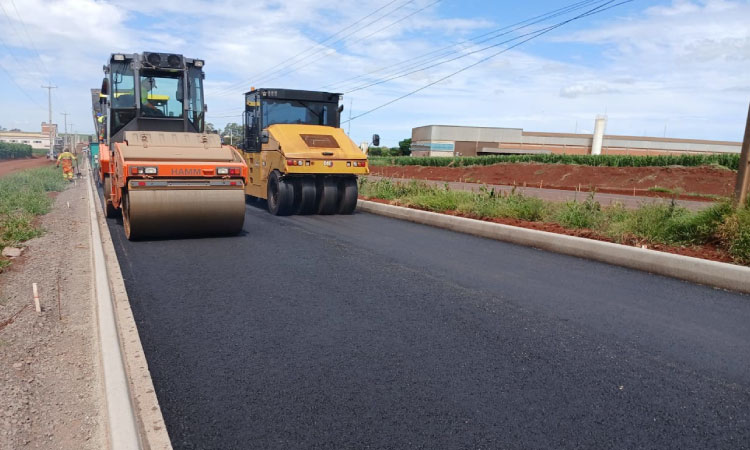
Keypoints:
pixel 587 214
pixel 729 161
pixel 23 195
pixel 719 224
pixel 9 150
pixel 735 233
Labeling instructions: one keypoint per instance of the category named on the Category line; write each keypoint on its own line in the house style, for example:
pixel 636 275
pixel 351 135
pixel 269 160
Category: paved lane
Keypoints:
pixel 367 332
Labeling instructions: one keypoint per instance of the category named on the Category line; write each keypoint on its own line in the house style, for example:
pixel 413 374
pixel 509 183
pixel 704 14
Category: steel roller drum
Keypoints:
pixel 163 213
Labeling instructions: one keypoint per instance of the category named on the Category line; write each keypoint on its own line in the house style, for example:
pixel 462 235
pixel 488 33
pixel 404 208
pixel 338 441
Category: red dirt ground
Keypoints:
pixel 704 180
pixel 14 165
pixel 707 251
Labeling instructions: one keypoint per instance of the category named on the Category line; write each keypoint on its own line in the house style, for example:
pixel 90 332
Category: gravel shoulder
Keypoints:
pixel 50 386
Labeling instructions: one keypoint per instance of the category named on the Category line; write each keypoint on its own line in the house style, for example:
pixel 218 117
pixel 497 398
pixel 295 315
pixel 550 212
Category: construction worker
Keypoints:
pixel 67 159
pixel 147 106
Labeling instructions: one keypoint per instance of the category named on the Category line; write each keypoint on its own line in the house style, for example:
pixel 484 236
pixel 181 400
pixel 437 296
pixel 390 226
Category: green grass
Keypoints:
pixel 720 224
pixel 727 161
pixel 23 196
pixel 39 151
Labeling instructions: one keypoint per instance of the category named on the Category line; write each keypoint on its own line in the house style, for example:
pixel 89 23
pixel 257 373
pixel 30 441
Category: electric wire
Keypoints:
pixel 596 10
pixel 568 8
pixel 290 68
pixel 430 63
pixel 12 80
pixel 12 27
pixel 30 39
pixel 237 85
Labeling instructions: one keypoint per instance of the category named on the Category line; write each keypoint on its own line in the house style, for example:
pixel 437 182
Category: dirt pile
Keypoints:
pixel 705 180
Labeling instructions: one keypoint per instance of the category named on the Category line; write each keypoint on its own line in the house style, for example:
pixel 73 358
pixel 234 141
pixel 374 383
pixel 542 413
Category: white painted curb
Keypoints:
pixel 696 270
pixel 122 429
pixel 142 403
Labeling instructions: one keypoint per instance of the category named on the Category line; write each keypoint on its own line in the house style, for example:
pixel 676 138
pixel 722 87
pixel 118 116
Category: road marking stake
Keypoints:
pixel 37 305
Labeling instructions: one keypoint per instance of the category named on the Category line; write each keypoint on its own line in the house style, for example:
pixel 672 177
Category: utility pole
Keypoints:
pixel 65 142
pixel 72 140
pixel 743 173
pixel 51 153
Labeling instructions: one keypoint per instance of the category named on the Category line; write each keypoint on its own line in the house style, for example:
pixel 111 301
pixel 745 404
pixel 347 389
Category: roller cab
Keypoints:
pixel 158 167
pixel 298 157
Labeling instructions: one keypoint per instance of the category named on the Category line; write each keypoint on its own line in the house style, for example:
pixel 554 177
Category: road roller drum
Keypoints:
pixel 184 212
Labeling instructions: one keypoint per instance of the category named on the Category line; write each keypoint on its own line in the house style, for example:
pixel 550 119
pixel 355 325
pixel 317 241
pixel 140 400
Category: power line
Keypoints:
pixel 263 72
pixel 382 29
pixel 12 80
pixel 12 26
pixel 470 40
pixel 420 61
pixel 289 68
pixel 28 35
pixel 541 32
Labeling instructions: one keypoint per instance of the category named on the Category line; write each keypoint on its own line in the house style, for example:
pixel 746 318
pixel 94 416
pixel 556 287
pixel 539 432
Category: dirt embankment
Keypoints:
pixel 14 165
pixel 705 180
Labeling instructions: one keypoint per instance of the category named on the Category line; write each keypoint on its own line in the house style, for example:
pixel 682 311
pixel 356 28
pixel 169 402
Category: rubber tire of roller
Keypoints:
pixel 327 196
pixel 282 203
pixel 305 196
pixel 347 201
pixel 110 210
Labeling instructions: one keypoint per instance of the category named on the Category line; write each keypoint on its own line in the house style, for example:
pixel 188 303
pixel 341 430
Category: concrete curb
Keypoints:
pixel 144 405
pixel 696 270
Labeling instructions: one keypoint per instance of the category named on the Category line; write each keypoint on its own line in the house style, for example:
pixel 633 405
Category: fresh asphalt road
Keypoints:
pixel 367 332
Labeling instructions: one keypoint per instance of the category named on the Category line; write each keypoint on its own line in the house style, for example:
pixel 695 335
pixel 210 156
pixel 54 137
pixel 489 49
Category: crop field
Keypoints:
pixel 9 150
pixel 729 161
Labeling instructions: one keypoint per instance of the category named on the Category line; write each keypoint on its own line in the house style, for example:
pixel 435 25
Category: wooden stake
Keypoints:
pixel 37 305
pixel 742 186
pixel 59 310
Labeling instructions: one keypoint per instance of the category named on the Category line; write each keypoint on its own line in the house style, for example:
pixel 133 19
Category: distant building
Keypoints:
pixel 447 140
pixel 35 140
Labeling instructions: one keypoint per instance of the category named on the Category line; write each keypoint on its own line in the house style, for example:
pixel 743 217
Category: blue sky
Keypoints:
pixel 675 67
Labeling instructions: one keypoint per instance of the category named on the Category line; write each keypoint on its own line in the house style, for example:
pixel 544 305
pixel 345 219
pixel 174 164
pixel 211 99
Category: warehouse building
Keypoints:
pixel 35 140
pixel 447 140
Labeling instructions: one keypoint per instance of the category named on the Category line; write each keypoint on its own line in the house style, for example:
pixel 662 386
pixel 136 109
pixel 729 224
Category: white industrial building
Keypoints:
pixel 448 140
pixel 37 140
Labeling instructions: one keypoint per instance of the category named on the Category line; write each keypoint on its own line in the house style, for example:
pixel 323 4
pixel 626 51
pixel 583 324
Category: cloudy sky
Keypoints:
pixel 678 68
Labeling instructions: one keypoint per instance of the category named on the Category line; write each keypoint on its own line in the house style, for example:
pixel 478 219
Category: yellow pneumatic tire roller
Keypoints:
pixel 185 212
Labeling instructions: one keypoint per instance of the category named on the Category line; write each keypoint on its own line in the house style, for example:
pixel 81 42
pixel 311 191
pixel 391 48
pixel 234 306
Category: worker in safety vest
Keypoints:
pixel 147 106
pixel 67 159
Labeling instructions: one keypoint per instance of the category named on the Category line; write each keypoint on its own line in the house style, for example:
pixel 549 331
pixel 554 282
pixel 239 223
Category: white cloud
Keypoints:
pixel 590 88
pixel 683 64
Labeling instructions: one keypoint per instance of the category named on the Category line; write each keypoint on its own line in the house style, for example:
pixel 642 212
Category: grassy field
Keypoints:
pixel 729 161
pixel 23 196
pixel 720 224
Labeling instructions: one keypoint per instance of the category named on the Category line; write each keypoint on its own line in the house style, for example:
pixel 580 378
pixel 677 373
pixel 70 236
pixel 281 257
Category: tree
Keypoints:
pixel 210 128
pixel 232 134
pixel 405 147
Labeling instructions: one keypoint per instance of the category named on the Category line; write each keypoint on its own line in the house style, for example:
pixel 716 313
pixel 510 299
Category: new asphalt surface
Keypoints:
pixel 367 332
